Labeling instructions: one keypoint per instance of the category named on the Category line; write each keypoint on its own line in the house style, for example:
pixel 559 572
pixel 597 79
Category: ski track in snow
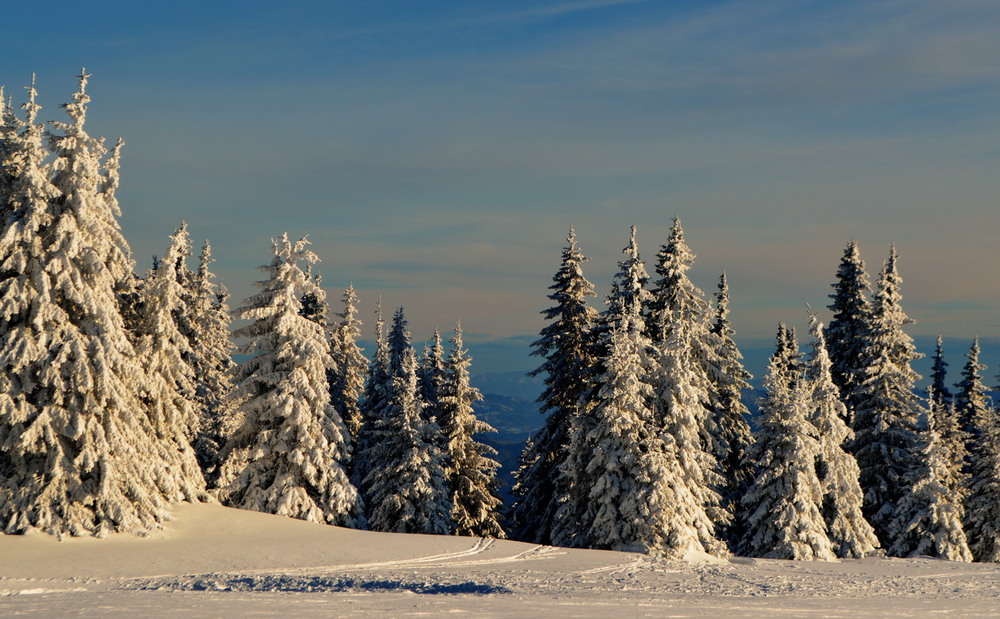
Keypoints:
pixel 481 577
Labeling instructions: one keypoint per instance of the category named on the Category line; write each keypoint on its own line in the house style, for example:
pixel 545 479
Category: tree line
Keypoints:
pixel 119 394
pixel 647 444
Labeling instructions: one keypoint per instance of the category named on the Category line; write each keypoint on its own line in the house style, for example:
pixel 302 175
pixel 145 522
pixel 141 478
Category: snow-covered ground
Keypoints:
pixel 215 561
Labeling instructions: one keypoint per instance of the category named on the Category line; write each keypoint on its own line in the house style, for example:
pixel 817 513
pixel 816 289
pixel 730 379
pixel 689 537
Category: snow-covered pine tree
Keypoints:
pixel 952 436
pixel 77 454
pixel 182 250
pixel 168 391
pixel 24 178
pixel 981 490
pixel 849 532
pixel 678 321
pixel 953 442
pixel 733 437
pixel 887 409
pixel 285 458
pixel 631 496
pixel 783 507
pixel 212 362
pixel 625 304
pixel 406 486
pixel 928 518
pixel 982 503
pixel 471 467
pixel 637 499
pixel 372 405
pixel 847 332
pixel 971 398
pixel 567 348
pixel 350 368
pixel 791 354
pixel 316 307
pixel 939 373
pixel 8 135
pixel 431 376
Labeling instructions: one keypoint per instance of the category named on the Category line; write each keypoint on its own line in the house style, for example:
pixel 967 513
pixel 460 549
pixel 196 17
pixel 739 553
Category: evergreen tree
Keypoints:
pixel 77 453
pixel 431 376
pixel 847 332
pixel 733 437
pixel 471 468
pixel 212 362
pixel 928 519
pixel 637 499
pixel 289 454
pixel 790 354
pixel 168 392
pixel 939 373
pixel 347 378
pixel 971 398
pixel 688 368
pixel 953 441
pixel 372 406
pixel 8 165
pixel 950 432
pixel 406 485
pixel 849 532
pixel 625 303
pixel 566 346
pixel 887 409
pixel 982 488
pixel 783 507
pixel 629 491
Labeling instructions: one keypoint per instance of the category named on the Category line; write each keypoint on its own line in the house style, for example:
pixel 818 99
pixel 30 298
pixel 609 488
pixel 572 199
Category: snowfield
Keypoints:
pixel 212 561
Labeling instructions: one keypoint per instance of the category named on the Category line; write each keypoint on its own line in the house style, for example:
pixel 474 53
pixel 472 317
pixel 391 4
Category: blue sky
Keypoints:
pixel 438 152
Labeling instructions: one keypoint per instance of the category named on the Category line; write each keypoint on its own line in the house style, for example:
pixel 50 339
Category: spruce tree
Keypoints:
pixel 788 343
pixel 566 345
pixel 372 405
pixel 783 506
pixel 350 368
pixel 953 442
pixel 952 435
pixel 637 498
pixel 629 491
pixel 289 453
pixel 169 391
pixel 625 302
pixel 733 437
pixel 212 362
pixel 849 532
pixel 77 453
pixel 887 409
pixel 928 518
pixel 688 368
pixel 939 373
pixel 8 165
pixel 431 376
pixel 406 485
pixel 847 332
pixel 982 485
pixel 971 397
pixel 471 468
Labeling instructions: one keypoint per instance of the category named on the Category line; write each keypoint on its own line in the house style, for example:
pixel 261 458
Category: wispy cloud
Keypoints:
pixel 535 13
